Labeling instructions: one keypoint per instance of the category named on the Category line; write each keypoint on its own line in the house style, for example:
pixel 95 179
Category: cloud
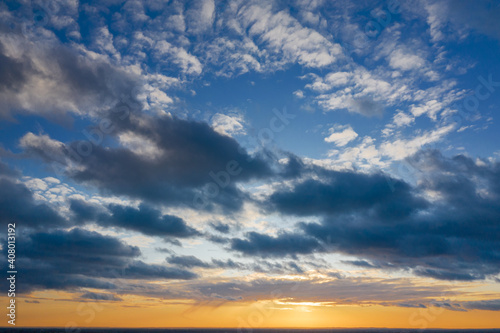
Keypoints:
pixel 12 71
pixel 80 258
pixel 352 291
pixel 264 39
pixel 187 261
pixel 18 205
pixel 364 156
pixel 284 35
pixel 268 246
pixel 431 108
pixel 365 106
pixel 347 192
pixel 299 94
pixel 229 125
pixel 489 305
pixel 200 16
pixel 193 262
pixel 359 91
pixel 145 219
pixel 360 263
pixel 99 297
pixel 454 238
pixel 44 147
pixel 220 227
pixel 191 156
pixel 405 62
pixel 49 79
pixel 402 119
pixel 448 18
pixel 443 228
pixel 168 53
pixel 402 148
pixel 341 135
pixel 5 170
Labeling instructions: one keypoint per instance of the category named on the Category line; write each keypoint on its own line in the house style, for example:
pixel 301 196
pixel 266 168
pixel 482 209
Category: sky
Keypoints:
pixel 252 163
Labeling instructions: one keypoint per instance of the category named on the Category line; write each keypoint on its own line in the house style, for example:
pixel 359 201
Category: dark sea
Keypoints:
pixel 243 330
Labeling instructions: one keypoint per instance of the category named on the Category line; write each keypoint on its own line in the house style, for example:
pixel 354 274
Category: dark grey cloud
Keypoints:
pixel 294 168
pixel 84 211
pixel 12 72
pixel 268 246
pixel 490 305
pixel 140 270
pixel 149 221
pixel 194 156
pixel 295 267
pixel 262 266
pixel 144 219
pixel 17 205
pixel 337 192
pixel 187 261
pixel 411 305
pixel 228 264
pixel 360 263
pixel 192 261
pixel 387 224
pixel 5 170
pixel 220 227
pixel 80 258
pixel 217 239
pixel 195 167
pixel 99 297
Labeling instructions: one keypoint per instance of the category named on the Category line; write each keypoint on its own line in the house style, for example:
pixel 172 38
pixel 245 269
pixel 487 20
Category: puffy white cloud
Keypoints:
pixel 404 61
pixel 341 135
pixel 228 124
pixel 402 119
pixel 430 108
pixel 298 93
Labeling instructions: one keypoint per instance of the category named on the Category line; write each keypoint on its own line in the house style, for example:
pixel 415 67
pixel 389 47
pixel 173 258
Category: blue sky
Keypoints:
pixel 200 140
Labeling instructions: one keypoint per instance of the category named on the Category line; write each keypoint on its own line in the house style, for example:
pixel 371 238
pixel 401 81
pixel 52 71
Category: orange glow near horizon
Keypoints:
pixel 145 313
